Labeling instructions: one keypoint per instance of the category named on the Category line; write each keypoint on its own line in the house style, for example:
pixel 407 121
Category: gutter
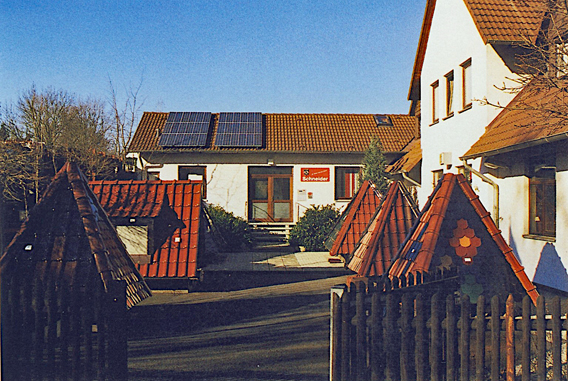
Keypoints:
pixel 495 190
pixel 405 176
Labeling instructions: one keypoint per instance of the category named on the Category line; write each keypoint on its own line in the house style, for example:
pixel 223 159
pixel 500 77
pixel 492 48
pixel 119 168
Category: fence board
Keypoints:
pixel 464 338
pixel 540 339
pixel 510 338
pixel 480 339
pixel 495 323
pixel 451 338
pixel 420 338
pixel 436 338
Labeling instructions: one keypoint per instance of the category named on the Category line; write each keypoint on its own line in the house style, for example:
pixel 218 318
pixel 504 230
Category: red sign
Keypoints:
pixel 315 174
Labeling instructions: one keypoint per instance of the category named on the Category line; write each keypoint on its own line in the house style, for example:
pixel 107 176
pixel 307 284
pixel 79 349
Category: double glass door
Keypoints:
pixel 270 194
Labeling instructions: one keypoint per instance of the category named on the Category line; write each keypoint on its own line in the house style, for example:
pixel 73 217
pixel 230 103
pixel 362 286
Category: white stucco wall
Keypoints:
pixel 454 39
pixel 227 186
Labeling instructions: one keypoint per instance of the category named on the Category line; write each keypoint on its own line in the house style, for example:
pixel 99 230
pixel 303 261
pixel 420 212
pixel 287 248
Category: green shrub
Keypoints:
pixel 235 230
pixel 312 227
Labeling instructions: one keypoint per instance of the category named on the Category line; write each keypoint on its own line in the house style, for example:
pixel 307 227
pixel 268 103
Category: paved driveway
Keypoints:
pixel 278 332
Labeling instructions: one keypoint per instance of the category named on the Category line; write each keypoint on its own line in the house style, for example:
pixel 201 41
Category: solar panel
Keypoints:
pixel 186 129
pixel 239 129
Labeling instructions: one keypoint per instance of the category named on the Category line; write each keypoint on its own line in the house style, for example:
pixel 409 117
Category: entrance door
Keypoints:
pixel 270 194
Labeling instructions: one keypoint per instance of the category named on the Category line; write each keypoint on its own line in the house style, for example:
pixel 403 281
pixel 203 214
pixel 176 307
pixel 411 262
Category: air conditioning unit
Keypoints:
pixel 446 158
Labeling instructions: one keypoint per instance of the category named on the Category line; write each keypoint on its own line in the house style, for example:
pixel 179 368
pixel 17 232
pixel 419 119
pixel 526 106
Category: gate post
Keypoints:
pixel 335 332
pixel 117 331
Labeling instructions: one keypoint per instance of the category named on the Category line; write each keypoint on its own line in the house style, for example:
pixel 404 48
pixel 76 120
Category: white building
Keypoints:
pixel 267 167
pixel 466 52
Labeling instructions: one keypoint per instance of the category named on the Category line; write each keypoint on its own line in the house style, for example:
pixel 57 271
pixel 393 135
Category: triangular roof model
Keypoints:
pixel 177 256
pixel 354 220
pixel 455 230
pixel 530 119
pixel 69 235
pixel 293 133
pixel 385 234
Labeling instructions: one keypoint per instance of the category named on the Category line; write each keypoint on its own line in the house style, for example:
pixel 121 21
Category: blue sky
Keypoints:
pixel 303 56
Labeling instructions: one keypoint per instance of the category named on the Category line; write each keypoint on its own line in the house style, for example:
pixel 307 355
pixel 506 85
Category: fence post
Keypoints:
pixel 540 339
pixel 345 335
pixel 480 339
pixel 526 340
pixel 510 337
pixel 335 332
pixel 451 338
pixel 556 339
pixel 420 339
pixel 376 358
pixel 495 338
pixel 464 337
pixel 117 325
pixel 392 338
pixel 406 339
pixel 436 338
pixel 361 332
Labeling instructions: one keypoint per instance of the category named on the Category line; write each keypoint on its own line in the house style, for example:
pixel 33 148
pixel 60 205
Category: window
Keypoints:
pixel 449 93
pixel 435 117
pixel 137 237
pixel 194 172
pixel 466 84
pixel 270 193
pixel 436 176
pixel 346 182
pixel 542 201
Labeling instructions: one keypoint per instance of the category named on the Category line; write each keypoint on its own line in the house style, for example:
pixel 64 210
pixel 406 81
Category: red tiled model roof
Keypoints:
pixel 386 232
pixel 355 219
pixel 498 21
pixel 433 242
pixel 314 133
pixel 68 234
pixel 529 119
pixel 177 256
pixel 411 159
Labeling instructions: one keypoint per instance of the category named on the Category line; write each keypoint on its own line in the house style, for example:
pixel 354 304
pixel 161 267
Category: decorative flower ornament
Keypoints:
pixel 465 242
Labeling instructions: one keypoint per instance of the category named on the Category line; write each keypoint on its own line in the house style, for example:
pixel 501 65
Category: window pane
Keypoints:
pixel 281 210
pixel 135 238
pixel 542 213
pixel 281 188
pixel 346 182
pixel 260 210
pixel 260 189
pixel 449 93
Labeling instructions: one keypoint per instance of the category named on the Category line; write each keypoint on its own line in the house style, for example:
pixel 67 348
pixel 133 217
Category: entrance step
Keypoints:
pixel 270 233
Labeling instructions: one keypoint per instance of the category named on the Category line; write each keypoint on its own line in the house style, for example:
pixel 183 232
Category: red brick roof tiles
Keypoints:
pixel 355 219
pixel 529 119
pixel 177 257
pixel 384 235
pixel 68 234
pixel 312 133
pixel 429 241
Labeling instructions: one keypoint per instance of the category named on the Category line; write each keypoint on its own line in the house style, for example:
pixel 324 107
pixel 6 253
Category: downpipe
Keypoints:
pixel 495 190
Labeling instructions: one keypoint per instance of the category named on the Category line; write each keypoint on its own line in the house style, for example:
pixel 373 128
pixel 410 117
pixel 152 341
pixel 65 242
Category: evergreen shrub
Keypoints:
pixel 235 231
pixel 313 226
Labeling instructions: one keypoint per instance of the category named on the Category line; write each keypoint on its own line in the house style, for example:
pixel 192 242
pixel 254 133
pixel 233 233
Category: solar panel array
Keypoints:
pixel 186 129
pixel 239 129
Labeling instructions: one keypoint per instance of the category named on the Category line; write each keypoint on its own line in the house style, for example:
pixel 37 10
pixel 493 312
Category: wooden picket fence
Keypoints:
pixel 53 330
pixel 422 329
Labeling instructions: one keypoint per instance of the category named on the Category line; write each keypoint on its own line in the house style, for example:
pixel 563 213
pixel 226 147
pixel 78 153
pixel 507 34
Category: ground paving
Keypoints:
pixel 276 332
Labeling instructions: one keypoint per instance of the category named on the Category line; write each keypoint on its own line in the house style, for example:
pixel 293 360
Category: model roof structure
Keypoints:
pixel 530 119
pixel 69 235
pixel 354 220
pixel 177 256
pixel 290 133
pixel 455 230
pixel 385 233
pixel 409 160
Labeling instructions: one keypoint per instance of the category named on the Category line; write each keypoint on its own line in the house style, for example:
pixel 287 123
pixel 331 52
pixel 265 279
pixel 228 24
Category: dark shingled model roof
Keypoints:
pixel 69 235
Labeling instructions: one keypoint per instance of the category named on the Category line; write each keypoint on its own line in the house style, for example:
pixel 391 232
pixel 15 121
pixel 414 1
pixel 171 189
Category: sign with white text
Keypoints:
pixel 315 174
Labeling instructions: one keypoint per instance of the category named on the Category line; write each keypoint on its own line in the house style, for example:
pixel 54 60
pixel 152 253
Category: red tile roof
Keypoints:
pixel 386 232
pixel 68 234
pixel 178 255
pixel 355 219
pixel 529 119
pixel 313 133
pixel 433 242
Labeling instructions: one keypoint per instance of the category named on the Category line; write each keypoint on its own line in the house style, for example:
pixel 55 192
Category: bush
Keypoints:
pixel 235 230
pixel 312 227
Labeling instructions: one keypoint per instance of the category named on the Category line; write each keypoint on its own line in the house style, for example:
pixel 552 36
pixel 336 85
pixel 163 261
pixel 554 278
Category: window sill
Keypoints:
pixel 448 116
pixel 540 237
pixel 466 107
pixel 434 122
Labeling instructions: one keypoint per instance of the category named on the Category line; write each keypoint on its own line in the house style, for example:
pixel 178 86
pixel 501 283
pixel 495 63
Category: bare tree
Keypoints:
pixel 124 117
